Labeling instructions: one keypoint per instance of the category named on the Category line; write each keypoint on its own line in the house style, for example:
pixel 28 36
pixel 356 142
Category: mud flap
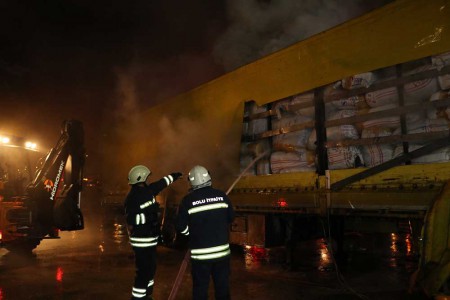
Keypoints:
pixel 66 212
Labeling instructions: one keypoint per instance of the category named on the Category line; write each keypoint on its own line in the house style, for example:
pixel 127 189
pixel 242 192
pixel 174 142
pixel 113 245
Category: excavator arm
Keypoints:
pixel 51 202
pixel 54 194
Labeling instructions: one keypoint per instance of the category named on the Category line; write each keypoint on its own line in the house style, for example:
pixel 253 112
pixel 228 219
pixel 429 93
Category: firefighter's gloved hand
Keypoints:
pixel 176 175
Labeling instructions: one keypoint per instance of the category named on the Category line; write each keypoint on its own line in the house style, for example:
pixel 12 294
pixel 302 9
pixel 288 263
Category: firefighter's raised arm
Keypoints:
pixel 164 182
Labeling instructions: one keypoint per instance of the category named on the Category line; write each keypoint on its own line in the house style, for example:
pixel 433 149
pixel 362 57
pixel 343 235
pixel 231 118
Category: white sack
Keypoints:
pixel 378 153
pixel 257 126
pixel 293 140
pixel 358 81
pixel 391 122
pixel 337 133
pixel 355 102
pixel 440 61
pixel 285 162
pixel 442 112
pixel 427 125
pixel 421 90
pixel 414 92
pixel 286 105
pixel 431 125
pixel 344 157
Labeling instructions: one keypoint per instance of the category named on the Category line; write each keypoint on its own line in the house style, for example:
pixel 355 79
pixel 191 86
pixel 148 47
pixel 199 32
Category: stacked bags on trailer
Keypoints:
pixel 347 156
pixel 293 145
pixel 289 149
pixel 249 150
pixel 417 121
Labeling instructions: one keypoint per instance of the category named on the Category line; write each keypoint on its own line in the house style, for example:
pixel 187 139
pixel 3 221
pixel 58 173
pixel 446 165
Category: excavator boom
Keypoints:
pixel 51 202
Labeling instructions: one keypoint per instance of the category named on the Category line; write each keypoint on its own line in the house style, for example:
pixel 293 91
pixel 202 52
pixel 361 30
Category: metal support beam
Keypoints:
pixel 391 163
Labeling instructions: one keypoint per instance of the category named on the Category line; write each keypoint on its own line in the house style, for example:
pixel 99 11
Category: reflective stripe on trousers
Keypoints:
pixel 143 242
pixel 211 252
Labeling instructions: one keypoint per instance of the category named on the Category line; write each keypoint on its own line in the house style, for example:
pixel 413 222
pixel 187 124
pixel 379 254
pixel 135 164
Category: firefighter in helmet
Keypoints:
pixel 141 211
pixel 205 215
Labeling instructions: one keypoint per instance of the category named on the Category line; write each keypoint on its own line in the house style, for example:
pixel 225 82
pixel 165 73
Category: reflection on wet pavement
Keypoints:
pixel 377 266
pixel 97 263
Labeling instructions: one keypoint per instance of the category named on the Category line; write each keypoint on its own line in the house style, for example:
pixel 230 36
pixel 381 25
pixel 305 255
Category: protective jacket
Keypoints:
pixel 141 211
pixel 205 215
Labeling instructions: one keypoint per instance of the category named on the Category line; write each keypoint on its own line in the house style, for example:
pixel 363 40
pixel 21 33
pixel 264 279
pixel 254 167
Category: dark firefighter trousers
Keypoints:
pixel 220 273
pixel 145 260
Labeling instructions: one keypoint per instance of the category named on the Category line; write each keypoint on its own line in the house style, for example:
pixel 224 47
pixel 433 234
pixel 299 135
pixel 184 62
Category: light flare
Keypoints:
pixel 59 274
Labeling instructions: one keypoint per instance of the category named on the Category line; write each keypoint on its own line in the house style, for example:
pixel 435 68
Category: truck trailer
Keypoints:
pixel 350 124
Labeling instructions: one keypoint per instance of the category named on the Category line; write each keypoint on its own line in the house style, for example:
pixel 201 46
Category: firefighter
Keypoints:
pixel 205 215
pixel 141 211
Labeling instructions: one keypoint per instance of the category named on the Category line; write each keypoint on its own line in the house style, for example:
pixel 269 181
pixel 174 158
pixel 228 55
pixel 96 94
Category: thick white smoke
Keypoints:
pixel 255 29
pixel 127 100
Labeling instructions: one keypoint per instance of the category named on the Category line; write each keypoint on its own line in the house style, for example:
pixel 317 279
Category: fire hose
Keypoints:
pixel 184 263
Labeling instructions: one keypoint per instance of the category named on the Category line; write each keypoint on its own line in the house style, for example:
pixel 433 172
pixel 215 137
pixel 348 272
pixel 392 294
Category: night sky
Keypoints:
pixel 103 61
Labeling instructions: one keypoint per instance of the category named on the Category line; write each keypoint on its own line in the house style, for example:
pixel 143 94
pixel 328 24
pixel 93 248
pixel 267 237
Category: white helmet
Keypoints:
pixel 199 177
pixel 138 174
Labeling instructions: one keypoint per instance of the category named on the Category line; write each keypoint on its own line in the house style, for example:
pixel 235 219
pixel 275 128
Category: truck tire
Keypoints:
pixel 23 247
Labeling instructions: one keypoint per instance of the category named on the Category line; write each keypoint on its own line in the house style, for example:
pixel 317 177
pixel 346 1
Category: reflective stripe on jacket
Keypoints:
pixel 205 215
pixel 141 212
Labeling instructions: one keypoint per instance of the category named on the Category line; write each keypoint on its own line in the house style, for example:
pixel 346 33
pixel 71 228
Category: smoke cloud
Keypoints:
pixel 255 28
pixel 127 102
pixel 183 144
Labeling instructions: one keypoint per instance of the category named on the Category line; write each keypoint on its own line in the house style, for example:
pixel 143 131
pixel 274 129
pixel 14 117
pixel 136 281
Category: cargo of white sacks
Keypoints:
pixel 382 107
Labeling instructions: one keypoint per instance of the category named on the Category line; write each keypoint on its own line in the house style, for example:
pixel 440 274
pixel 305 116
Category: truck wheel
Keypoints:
pixel 23 247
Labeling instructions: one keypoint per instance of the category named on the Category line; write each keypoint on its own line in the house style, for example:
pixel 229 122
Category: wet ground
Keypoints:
pixel 97 263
